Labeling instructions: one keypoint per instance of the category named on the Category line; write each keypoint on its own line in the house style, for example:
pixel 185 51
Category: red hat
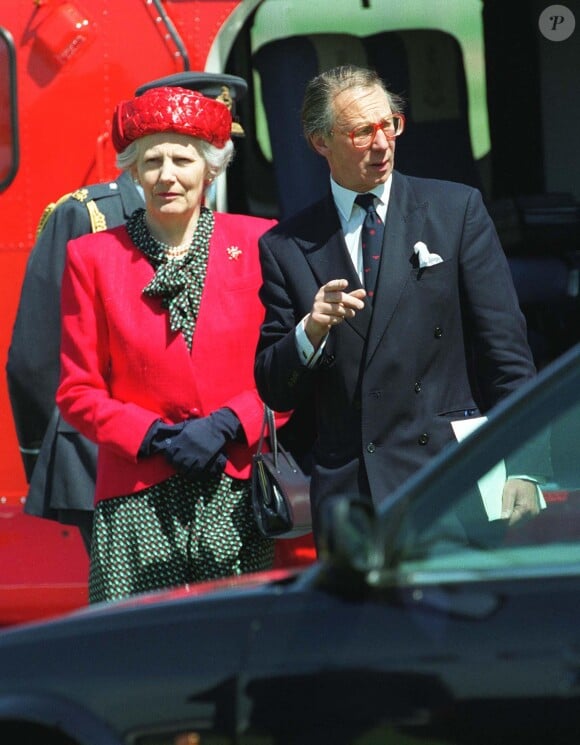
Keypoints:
pixel 171 109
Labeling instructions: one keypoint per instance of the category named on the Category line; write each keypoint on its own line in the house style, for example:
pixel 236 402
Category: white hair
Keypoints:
pixel 217 159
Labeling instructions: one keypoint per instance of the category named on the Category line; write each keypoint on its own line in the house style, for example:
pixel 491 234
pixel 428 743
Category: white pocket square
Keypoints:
pixel 426 258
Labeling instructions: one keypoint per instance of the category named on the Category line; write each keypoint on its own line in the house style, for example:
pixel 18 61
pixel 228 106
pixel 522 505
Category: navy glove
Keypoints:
pixel 157 434
pixel 194 447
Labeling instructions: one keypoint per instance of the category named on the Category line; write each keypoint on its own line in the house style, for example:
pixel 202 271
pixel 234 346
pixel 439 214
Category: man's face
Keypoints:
pixel 358 170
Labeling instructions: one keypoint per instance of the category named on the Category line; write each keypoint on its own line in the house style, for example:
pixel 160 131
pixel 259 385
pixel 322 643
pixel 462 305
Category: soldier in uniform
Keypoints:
pixel 60 464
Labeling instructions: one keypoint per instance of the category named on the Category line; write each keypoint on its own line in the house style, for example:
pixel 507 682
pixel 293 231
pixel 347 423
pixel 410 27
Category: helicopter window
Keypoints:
pixel 8 132
pixel 436 61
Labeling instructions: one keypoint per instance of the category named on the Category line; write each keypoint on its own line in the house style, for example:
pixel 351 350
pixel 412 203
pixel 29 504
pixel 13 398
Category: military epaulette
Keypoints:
pixel 97 191
pixel 80 195
pixel 47 212
pixel 97 218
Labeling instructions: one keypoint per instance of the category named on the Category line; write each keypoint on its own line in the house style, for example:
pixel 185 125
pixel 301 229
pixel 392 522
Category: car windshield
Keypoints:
pixel 454 525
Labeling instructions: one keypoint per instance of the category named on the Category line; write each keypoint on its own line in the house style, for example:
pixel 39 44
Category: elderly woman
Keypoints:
pixel 160 323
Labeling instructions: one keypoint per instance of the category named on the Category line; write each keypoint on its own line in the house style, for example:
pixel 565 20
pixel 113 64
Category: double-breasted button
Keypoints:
pixel 437 332
pixel 417 387
pixel 371 447
pixel 423 438
pixel 194 411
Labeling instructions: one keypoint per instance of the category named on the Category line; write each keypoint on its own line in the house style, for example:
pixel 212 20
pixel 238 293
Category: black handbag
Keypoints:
pixel 280 489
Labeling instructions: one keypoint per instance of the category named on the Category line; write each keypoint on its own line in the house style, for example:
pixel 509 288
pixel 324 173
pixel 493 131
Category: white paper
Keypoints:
pixel 491 485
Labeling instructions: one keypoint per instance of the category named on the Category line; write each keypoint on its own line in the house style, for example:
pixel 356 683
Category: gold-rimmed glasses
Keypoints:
pixel 364 135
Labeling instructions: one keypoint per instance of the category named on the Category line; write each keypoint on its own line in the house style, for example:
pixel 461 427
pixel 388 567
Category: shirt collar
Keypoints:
pixel 344 198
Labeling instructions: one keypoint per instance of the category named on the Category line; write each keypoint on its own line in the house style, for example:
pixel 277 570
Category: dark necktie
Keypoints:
pixel 371 242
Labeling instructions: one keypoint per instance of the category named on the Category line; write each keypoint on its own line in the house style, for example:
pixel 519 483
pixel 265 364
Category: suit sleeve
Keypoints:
pixel 33 357
pixel 496 328
pixel 282 380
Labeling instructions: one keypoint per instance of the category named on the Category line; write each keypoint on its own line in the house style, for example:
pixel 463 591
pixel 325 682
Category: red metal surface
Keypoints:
pixel 43 566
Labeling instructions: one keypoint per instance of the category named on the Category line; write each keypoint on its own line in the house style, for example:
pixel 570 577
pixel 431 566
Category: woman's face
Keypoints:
pixel 173 174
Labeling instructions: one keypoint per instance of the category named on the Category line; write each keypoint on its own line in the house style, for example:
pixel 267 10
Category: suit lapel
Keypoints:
pixel 403 228
pixel 326 252
pixel 327 255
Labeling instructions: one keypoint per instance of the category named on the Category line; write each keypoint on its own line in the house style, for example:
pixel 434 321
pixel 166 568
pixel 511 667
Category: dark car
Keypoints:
pixel 432 624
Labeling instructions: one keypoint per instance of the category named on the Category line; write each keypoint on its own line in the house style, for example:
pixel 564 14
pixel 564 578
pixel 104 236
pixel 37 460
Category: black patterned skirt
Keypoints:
pixel 175 533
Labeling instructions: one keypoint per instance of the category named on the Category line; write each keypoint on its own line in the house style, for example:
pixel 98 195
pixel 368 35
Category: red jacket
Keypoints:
pixel 122 367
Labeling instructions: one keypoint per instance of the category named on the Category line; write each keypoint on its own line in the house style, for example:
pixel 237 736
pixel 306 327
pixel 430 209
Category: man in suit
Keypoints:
pixel 440 337
pixel 60 464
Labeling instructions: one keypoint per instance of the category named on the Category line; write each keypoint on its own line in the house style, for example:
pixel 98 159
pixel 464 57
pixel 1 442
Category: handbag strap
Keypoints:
pixel 269 425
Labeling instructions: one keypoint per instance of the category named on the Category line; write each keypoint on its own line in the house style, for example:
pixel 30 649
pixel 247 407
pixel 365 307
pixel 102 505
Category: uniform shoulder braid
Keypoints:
pixel 86 196
pixel 48 210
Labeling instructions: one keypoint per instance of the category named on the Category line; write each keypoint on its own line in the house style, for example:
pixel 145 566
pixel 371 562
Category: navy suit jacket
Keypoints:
pixel 440 341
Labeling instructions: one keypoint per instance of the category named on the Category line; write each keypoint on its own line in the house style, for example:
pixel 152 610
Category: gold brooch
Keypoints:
pixel 234 252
